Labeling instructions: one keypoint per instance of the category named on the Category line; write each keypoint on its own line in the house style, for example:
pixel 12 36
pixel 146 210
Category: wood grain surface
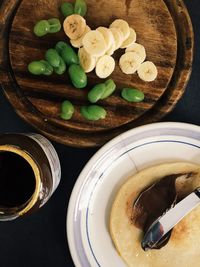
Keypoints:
pixel 164 28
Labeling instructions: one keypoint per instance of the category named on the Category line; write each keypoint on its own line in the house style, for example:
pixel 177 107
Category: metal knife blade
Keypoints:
pixel 169 219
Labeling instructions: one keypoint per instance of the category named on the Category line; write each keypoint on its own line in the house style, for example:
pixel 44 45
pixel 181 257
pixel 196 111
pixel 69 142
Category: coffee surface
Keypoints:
pixel 17 180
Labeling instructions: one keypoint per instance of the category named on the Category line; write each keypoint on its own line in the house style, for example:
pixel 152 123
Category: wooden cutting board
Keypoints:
pixel 163 27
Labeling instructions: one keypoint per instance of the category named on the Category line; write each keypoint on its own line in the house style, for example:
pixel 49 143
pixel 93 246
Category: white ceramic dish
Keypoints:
pixel 91 200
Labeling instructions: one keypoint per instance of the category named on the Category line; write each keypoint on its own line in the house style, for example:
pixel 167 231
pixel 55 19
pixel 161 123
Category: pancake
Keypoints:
pixel 183 247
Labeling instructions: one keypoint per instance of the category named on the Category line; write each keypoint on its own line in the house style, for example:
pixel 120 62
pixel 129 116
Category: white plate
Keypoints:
pixel 92 197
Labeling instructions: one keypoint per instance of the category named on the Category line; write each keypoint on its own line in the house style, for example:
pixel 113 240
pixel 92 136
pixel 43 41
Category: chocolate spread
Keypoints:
pixel 153 202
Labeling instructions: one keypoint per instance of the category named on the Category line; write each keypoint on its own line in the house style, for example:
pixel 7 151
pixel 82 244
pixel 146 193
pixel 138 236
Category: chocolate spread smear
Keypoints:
pixel 154 201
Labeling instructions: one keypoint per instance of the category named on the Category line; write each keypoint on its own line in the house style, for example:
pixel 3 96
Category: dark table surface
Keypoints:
pixel 39 240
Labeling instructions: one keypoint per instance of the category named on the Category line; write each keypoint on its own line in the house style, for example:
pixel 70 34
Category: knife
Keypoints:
pixel 169 219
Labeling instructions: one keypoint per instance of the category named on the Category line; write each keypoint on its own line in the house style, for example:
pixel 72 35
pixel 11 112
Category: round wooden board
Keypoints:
pixel 163 28
pixel 46 94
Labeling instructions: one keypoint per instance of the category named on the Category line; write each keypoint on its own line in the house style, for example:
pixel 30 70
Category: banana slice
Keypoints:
pixel 147 71
pixel 130 40
pixel 118 37
pixel 74 26
pixel 111 51
pixel 108 36
pixel 78 42
pixel 105 66
pixel 87 61
pixel 129 62
pixel 94 43
pixel 123 26
pixel 139 49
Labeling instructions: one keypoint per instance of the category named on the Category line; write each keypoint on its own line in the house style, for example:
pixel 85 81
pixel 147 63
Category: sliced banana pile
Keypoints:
pixel 96 48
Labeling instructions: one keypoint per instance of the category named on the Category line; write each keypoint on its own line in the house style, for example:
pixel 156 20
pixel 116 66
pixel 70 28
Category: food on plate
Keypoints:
pixel 55 25
pixel 130 40
pixel 122 26
pixel 132 95
pixel 105 66
pixel 94 43
pixel 56 60
pixel 130 62
pixel 67 9
pixel 61 68
pixel 93 112
pixel 110 88
pixel 97 46
pixel 143 199
pixel 111 50
pixel 37 67
pixel 108 36
pixel 95 50
pixel 41 67
pixel 77 76
pixel 67 110
pixel 138 49
pixel 118 38
pixel 74 26
pixel 77 43
pixel 87 61
pixel 103 42
pixel 101 91
pixel 48 68
pixel 80 7
pixel 60 46
pixel 52 57
pixel 41 28
pixel 96 92
pixel 69 55
pixel 147 71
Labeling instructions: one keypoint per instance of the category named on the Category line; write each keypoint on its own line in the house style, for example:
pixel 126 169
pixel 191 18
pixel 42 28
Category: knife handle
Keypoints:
pixel 197 191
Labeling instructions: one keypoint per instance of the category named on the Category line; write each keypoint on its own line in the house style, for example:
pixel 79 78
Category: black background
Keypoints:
pixel 39 240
